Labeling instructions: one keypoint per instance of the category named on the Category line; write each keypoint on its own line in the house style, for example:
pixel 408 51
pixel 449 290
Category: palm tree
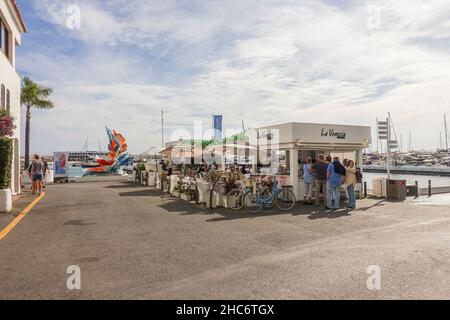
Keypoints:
pixel 36 96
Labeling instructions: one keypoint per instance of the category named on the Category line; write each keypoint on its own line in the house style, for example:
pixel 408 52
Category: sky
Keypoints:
pixel 120 62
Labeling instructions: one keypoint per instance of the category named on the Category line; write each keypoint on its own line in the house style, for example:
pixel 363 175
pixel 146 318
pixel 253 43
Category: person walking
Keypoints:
pixel 45 169
pixel 335 173
pixel 350 183
pixel 320 173
pixel 308 179
pixel 37 172
pixel 30 176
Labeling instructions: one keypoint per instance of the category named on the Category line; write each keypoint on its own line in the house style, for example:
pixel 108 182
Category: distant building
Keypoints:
pixel 85 155
pixel 11 29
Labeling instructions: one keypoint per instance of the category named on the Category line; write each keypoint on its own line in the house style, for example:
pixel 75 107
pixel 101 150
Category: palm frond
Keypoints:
pixel 35 95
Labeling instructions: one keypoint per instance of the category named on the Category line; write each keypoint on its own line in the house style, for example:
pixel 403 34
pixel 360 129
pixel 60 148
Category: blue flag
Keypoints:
pixel 217 126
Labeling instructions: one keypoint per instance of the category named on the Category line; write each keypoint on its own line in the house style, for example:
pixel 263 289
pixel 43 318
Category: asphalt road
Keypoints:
pixel 131 243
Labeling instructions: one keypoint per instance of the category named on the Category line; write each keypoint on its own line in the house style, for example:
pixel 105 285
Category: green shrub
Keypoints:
pixel 6 156
pixel 141 166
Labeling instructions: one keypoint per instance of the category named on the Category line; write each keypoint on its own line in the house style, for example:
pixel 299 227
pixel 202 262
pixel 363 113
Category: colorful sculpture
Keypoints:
pixel 117 156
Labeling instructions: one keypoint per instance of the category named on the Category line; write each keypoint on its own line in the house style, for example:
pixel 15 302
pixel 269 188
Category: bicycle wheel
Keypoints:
pixel 235 199
pixel 267 195
pixel 251 202
pixel 285 199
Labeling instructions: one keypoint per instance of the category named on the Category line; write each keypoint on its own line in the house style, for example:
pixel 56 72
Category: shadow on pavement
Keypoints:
pixel 377 204
pixel 177 205
pixel 141 193
pixel 173 204
pixel 330 214
pixel 123 186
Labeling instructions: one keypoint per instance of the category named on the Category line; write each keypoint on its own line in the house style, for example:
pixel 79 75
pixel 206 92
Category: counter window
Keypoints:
pixel 303 155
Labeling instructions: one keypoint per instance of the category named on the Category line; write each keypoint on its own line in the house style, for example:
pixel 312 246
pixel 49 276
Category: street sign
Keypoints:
pixel 383 130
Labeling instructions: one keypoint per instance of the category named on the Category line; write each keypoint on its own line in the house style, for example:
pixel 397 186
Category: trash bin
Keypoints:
pixel 290 194
pixel 396 189
pixel 411 190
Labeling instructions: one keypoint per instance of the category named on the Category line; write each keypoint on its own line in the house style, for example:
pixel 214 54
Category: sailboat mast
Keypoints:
pixel 378 136
pixel 388 147
pixel 409 143
pixel 401 143
pixel 446 133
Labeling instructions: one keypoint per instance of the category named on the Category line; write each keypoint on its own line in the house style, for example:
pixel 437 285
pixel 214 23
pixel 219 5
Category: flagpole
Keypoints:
pixel 388 149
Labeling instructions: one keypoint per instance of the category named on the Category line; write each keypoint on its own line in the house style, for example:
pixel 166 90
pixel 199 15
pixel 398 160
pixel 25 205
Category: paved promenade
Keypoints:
pixel 132 243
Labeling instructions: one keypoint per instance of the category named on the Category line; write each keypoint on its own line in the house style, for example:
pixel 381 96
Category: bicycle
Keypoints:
pixel 281 197
pixel 235 198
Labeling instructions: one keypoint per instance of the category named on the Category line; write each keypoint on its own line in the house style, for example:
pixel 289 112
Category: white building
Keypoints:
pixel 11 28
pixel 295 141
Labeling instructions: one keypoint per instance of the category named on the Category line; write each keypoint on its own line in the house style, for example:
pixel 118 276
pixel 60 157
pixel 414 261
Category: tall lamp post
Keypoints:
pixel 162 127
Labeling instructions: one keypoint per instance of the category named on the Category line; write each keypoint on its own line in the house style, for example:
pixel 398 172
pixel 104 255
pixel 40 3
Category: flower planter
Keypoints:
pixel 5 200
pixel 186 197
pixel 152 179
pixel 202 191
pixel 224 200
pixel 213 198
pixel 144 178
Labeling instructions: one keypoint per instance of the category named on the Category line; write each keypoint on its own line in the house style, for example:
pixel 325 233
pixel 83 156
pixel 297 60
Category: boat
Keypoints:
pixel 89 165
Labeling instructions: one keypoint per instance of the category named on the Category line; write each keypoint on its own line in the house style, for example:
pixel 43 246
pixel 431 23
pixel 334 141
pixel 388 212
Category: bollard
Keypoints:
pixel 210 195
pixel 417 189
pixel 365 189
pixel 429 188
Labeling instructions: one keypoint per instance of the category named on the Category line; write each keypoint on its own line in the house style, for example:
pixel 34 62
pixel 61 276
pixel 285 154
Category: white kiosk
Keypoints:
pixel 297 141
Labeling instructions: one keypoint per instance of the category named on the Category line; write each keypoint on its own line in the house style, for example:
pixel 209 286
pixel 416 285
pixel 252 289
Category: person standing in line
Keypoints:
pixel 37 168
pixel 350 183
pixel 308 178
pixel 335 174
pixel 320 172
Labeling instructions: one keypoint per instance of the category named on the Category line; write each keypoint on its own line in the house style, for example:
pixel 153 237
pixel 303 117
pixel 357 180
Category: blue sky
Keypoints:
pixel 258 61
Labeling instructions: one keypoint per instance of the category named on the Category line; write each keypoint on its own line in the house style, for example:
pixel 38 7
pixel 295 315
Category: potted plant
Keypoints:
pixel 186 194
pixel 6 155
pixel 176 191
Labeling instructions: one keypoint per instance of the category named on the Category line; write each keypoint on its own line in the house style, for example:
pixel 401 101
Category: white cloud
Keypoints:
pixel 258 61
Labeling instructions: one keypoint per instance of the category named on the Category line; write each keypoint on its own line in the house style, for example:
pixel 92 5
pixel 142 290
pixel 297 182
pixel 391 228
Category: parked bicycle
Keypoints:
pixel 282 198
pixel 235 198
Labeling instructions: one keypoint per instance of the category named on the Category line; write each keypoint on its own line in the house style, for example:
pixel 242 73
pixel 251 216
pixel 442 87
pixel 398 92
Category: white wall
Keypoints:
pixel 11 80
pixel 321 134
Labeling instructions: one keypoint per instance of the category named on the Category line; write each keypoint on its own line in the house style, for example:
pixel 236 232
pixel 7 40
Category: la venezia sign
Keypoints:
pixel 340 135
